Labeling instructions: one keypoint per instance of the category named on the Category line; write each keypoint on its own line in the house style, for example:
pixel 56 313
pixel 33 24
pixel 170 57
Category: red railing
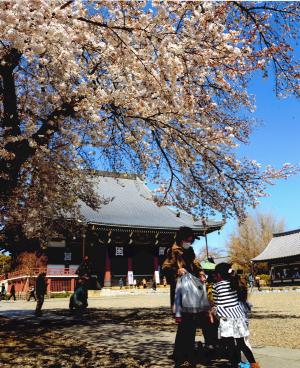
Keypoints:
pixel 33 272
pixel 59 285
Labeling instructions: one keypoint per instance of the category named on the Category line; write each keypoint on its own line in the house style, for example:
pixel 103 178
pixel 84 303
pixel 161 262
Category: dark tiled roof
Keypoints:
pixel 282 245
pixel 131 205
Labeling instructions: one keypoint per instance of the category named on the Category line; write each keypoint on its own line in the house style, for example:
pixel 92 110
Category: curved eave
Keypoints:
pixel 125 227
pixel 279 259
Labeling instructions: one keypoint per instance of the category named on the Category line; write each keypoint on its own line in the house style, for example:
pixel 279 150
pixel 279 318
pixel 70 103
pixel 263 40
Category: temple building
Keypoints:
pixel 283 257
pixel 126 238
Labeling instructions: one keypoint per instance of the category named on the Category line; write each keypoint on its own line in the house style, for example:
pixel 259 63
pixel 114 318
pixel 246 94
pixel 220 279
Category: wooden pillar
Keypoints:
pixel 155 263
pixel 72 284
pixel 129 264
pixel 48 285
pixel 107 275
pixel 156 270
pixel 26 283
pixel 83 243
pixel 129 269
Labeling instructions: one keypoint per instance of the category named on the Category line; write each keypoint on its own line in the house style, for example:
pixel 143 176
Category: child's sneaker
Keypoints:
pixel 244 365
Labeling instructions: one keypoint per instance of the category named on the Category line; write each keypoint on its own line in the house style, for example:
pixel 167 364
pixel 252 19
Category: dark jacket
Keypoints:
pixel 40 285
pixel 84 270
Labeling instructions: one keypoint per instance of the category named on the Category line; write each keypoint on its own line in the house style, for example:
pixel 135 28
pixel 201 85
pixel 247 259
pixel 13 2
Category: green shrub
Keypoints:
pixel 265 278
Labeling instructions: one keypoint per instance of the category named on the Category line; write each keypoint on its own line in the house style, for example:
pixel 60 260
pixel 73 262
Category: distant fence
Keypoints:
pixel 33 272
pixel 58 279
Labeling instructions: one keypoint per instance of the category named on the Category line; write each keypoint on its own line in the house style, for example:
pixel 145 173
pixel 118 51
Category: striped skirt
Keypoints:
pixel 233 322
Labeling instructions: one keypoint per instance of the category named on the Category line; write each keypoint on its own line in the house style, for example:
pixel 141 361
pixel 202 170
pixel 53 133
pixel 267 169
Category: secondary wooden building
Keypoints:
pixel 283 257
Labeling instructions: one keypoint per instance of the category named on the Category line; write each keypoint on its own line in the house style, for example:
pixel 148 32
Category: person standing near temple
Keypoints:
pixel 257 282
pixel 3 291
pixel 190 307
pixel 180 259
pixel 164 281
pixel 78 299
pixel 41 290
pixel 31 294
pixel 84 270
pixel 154 284
pixel 144 282
pixel 251 281
pixel 12 293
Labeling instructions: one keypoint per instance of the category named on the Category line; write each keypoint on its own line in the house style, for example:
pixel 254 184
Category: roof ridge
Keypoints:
pixel 290 232
pixel 117 175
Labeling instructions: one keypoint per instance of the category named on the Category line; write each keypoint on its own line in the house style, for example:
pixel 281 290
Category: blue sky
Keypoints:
pixel 274 142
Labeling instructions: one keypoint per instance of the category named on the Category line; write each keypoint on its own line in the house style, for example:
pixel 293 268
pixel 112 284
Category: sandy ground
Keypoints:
pixel 275 320
pixel 127 331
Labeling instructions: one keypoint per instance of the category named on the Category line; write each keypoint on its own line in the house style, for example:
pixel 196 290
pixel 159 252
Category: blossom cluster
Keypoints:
pixel 157 88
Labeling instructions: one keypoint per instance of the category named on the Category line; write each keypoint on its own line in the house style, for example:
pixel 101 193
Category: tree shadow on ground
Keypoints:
pixel 129 338
pixel 260 315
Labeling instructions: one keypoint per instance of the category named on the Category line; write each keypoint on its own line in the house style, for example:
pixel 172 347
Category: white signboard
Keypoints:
pixel 68 256
pixel 119 251
pixel 56 244
pixel 130 277
pixel 161 251
pixel 156 276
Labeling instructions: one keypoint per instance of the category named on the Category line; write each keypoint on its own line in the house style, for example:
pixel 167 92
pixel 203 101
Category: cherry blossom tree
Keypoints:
pixel 159 89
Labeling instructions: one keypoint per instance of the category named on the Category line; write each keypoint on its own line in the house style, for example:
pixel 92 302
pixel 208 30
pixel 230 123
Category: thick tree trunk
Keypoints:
pixel 21 150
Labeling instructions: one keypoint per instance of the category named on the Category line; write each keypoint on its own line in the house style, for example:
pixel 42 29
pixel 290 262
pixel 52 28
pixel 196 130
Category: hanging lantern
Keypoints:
pixel 130 238
pixel 109 237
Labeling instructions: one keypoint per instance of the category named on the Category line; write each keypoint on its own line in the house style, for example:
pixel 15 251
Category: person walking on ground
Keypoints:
pixel 3 291
pixel 41 290
pixel 180 259
pixel 164 281
pixel 251 281
pixel 31 294
pixel 121 283
pixel 257 282
pixel 227 294
pixel 12 293
pixel 154 284
pixel 144 282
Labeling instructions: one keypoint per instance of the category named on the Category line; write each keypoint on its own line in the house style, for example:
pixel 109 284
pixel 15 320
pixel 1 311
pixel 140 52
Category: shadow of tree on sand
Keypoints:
pixel 262 315
pixel 130 338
